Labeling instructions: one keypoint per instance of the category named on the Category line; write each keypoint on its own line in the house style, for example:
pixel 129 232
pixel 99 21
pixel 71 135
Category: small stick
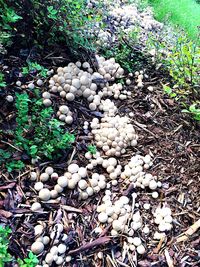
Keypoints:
pixel 4 142
pixel 71 209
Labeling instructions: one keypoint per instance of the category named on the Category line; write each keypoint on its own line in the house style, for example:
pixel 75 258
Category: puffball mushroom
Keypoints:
pixel 38 229
pixel 44 194
pixel 44 177
pixel 38 186
pixel 31 86
pixel 62 181
pixel 102 217
pixel 140 249
pixel 49 258
pixel 39 82
pixel 62 248
pixel 82 184
pixel 36 206
pixel 47 102
pixel 37 247
pixel 18 83
pixel 73 168
pixel 33 176
pixel 46 95
pixel 9 98
pixel 49 170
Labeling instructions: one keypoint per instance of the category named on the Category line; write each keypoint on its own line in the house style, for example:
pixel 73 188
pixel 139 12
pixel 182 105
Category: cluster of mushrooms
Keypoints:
pixel 113 135
pixel 56 253
pixel 123 16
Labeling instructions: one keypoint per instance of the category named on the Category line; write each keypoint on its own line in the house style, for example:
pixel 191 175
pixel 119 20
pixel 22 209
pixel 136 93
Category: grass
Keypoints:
pixel 183 13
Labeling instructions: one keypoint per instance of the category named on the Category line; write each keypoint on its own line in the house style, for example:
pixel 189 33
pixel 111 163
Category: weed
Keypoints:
pixel 46 23
pixel 4 242
pixel 5 257
pixel 184 15
pixel 183 63
pixel 8 18
pixel 194 111
pixel 38 133
pixel 14 165
pixel 92 149
pixel 30 261
pixel 168 90
pixel 34 66
pixel 2 82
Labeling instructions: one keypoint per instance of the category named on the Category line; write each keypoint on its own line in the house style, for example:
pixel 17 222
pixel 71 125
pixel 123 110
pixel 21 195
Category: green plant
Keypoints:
pixel 184 15
pixel 8 18
pixel 34 66
pixel 49 22
pixel 5 257
pixel 38 133
pixel 194 111
pixel 125 52
pixel 14 165
pixel 4 242
pixel 168 90
pixel 2 82
pixel 183 62
pixel 30 261
pixel 92 149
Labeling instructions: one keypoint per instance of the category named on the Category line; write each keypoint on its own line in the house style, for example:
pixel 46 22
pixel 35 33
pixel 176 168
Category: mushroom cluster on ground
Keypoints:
pixel 113 135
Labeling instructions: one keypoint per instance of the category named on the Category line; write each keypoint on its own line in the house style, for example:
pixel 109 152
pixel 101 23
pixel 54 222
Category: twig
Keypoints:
pixel 99 241
pixel 143 128
pixel 4 142
pixel 71 209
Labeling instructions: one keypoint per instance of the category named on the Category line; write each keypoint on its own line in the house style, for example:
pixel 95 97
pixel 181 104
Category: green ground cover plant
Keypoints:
pixel 5 257
pixel 37 132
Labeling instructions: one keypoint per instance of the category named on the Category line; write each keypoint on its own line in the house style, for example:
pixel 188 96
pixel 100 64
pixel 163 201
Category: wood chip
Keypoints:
pixel 168 259
pixel 190 231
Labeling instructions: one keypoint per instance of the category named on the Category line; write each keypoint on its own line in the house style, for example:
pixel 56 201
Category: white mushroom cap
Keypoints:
pixel 117 225
pixel 62 181
pixel 58 188
pixel 9 98
pixel 82 172
pixel 38 186
pixel 44 177
pixel 37 247
pixel 33 176
pixel 69 119
pixel 140 249
pixel 72 168
pixel 137 241
pixel 44 194
pixel 70 96
pixel 82 184
pixel 45 240
pixel 49 258
pixel 49 170
pixel 36 206
pixel 62 248
pixel 60 260
pixel 38 229
pixel 102 217
pixel 47 102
